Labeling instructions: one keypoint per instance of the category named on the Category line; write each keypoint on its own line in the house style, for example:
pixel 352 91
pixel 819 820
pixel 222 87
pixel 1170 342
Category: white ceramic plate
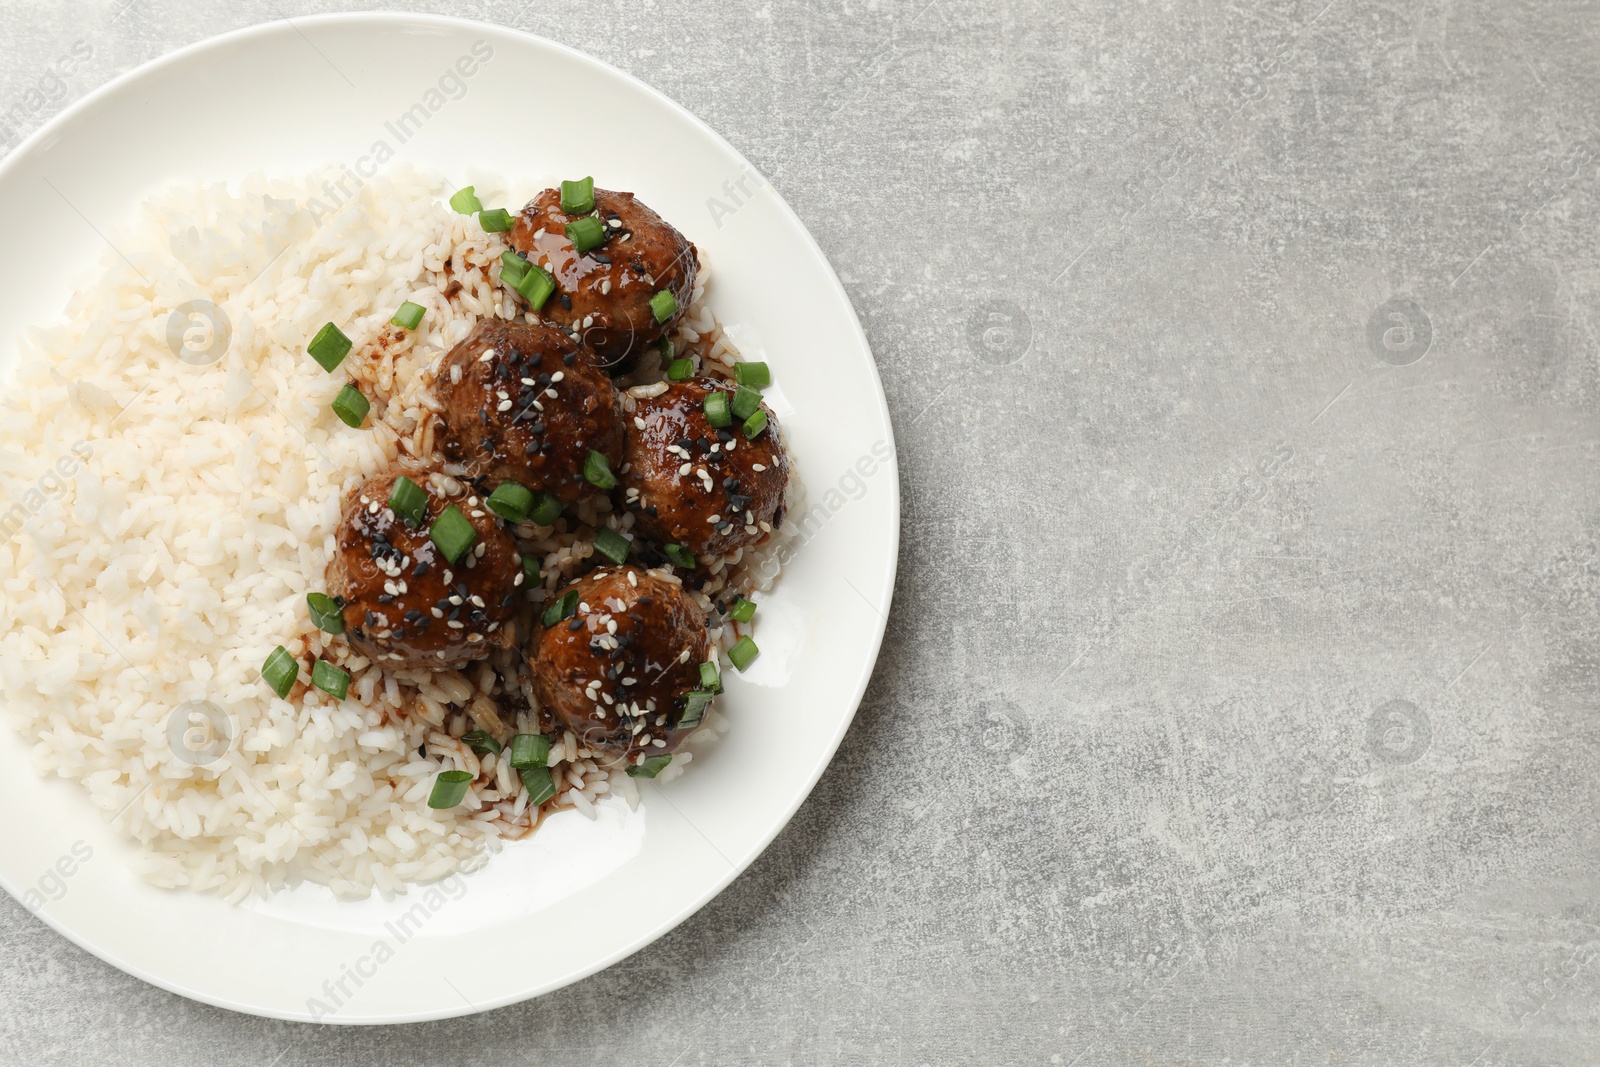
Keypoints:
pixel 578 895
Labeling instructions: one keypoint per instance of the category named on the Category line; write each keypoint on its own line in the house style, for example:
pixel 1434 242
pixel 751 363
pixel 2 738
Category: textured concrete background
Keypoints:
pixel 1238 699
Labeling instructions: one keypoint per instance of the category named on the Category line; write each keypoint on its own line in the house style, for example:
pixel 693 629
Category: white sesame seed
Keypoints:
pixel 516 579
pixel 758 467
pixel 504 405
pixel 455 374
pixel 638 422
pixel 683 471
pixel 558 375
pixel 552 394
pixel 527 381
pixel 455 624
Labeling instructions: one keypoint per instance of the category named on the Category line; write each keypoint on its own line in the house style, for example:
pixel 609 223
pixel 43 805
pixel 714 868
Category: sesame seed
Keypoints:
pixel 558 375
pixel 456 624
pixel 552 394
pixel 758 467
pixel 638 422
pixel 504 405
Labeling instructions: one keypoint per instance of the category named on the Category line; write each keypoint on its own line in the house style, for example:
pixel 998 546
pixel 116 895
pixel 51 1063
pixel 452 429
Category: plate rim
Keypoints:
pixel 885 589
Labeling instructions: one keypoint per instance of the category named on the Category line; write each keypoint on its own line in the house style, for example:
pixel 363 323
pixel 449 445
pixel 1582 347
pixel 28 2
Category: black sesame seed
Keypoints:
pixel 570 358
pixel 385 598
pixel 575 624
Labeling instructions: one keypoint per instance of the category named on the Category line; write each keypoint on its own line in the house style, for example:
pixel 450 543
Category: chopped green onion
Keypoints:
pixel 743 611
pixel 597 468
pixel 755 424
pixel 668 350
pixel 664 305
pixel 325 613
pixel 716 407
pixel 496 220
pixel 612 545
pixel 453 533
pixel 510 501
pixel 280 671
pixel 329 347
pixel 560 608
pixel 743 653
pixel 695 702
pixel 746 402
pixel 537 781
pixel 530 750
pixel 711 676
pixel 483 742
pixel 651 767
pixel 755 375
pixel 537 287
pixel 330 679
pixel 449 789
pixel 409 316
pixel 351 406
pixel 530 570
pixel 530 280
pixel 545 511
pixel 513 268
pixel 586 233
pixel 408 500
pixel 577 198
pixel 679 369
pixel 465 201
pixel 681 556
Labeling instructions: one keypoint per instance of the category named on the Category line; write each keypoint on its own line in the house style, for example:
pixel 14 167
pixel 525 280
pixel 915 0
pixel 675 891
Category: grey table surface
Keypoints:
pixel 1237 704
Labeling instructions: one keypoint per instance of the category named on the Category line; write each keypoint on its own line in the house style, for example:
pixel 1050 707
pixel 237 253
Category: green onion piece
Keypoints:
pixel 510 501
pixel 597 468
pixel 408 500
pixel 530 571
pixel 612 545
pixel 755 424
pixel 329 347
pixel 711 676
pixel 409 316
pixel 538 783
pixel 545 511
pixel 586 233
pixel 537 287
pixel 681 556
pixel 530 280
pixel 330 679
pixel 351 406
pixel 651 767
pixel 577 198
pixel 530 750
pixel 496 220
pixel 483 742
pixel 664 305
pixel 668 350
pixel 679 369
pixel 280 671
pixel 716 407
pixel 746 402
pixel 755 375
pixel 449 789
pixel 695 702
pixel 743 611
pixel 325 613
pixel 453 533
pixel 465 201
pixel 743 653
pixel 560 608
pixel 513 268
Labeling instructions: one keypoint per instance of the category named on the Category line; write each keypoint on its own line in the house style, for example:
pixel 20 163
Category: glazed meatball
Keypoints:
pixel 603 296
pixel 522 404
pixel 688 482
pixel 404 604
pixel 621 688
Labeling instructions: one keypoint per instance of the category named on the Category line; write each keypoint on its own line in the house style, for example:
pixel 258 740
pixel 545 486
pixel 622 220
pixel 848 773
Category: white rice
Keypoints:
pixel 163 522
